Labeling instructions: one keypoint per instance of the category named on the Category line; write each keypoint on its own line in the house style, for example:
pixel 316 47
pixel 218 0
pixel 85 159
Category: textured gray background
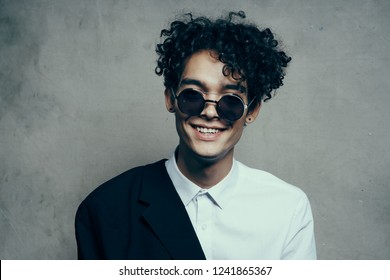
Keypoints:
pixel 80 103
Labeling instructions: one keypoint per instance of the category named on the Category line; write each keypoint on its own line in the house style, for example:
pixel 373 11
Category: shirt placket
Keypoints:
pixel 204 222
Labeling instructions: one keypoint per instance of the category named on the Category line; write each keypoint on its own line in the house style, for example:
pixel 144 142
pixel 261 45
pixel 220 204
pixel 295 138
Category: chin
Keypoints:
pixel 211 156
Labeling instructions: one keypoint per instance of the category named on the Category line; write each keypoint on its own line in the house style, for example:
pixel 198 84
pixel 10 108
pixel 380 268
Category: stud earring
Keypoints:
pixel 171 110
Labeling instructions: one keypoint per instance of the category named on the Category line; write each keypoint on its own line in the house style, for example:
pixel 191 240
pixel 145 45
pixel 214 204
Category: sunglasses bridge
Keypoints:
pixel 216 102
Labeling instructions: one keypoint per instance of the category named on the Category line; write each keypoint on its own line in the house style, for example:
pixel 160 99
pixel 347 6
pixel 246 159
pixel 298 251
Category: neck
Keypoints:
pixel 204 172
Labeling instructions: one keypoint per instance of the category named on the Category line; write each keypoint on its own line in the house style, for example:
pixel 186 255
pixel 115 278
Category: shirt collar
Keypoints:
pixel 188 190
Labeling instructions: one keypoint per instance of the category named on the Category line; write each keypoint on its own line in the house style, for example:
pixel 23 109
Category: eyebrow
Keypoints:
pixel 198 83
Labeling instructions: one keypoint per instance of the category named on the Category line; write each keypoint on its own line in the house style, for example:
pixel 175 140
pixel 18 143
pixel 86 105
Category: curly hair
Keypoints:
pixel 249 54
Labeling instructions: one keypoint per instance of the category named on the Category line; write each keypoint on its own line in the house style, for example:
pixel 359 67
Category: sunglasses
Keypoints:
pixel 230 107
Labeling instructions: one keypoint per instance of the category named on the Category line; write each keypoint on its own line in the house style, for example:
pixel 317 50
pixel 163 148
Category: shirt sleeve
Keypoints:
pixel 300 241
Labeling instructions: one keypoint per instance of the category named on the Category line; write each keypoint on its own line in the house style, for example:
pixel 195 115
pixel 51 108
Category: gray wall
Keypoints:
pixel 80 103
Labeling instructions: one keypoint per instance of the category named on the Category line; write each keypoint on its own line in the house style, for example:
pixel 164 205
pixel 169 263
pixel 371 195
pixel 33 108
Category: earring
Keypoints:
pixel 249 119
pixel 171 110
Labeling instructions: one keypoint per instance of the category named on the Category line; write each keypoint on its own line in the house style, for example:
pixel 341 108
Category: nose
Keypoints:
pixel 210 109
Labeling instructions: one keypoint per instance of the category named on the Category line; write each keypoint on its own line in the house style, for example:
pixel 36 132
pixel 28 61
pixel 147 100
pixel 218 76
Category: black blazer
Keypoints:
pixel 136 215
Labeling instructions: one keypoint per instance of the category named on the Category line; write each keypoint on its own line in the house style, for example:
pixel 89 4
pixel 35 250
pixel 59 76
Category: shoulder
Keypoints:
pixel 267 183
pixel 123 185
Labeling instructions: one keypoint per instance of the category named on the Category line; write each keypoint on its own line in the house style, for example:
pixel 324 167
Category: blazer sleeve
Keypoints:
pixel 88 245
pixel 101 222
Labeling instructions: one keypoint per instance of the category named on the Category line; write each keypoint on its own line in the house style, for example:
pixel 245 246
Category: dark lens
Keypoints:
pixel 230 107
pixel 190 102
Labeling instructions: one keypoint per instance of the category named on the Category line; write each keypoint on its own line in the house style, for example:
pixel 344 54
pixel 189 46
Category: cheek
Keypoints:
pixel 180 122
pixel 238 135
pixel 237 131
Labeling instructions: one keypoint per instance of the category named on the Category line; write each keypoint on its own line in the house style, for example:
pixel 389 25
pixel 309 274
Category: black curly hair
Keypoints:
pixel 249 54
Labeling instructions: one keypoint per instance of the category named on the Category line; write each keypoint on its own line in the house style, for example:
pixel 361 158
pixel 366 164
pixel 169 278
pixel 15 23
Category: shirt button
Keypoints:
pixel 204 227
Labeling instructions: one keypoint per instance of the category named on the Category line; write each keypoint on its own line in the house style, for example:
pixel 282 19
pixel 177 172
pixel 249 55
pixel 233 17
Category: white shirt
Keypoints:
pixel 250 214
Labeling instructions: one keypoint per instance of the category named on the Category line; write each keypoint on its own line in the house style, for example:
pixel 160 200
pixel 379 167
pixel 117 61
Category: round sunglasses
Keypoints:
pixel 230 107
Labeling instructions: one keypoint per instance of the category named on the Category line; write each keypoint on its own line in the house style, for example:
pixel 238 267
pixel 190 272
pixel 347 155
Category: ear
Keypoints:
pixel 252 115
pixel 169 100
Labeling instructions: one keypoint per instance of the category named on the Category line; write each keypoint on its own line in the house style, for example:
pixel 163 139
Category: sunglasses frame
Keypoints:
pixel 218 109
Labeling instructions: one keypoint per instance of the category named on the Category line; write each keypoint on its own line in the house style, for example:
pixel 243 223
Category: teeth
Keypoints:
pixel 206 130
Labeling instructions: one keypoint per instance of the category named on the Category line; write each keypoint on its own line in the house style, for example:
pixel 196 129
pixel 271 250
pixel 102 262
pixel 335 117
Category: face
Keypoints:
pixel 207 136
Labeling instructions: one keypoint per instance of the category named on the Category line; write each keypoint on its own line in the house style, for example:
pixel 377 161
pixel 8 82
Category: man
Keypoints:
pixel 202 203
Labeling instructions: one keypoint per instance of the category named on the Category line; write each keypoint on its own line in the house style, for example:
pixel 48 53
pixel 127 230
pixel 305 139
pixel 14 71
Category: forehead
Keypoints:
pixel 205 67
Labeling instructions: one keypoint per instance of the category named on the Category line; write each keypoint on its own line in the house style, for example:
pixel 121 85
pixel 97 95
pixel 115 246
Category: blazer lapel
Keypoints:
pixel 167 216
